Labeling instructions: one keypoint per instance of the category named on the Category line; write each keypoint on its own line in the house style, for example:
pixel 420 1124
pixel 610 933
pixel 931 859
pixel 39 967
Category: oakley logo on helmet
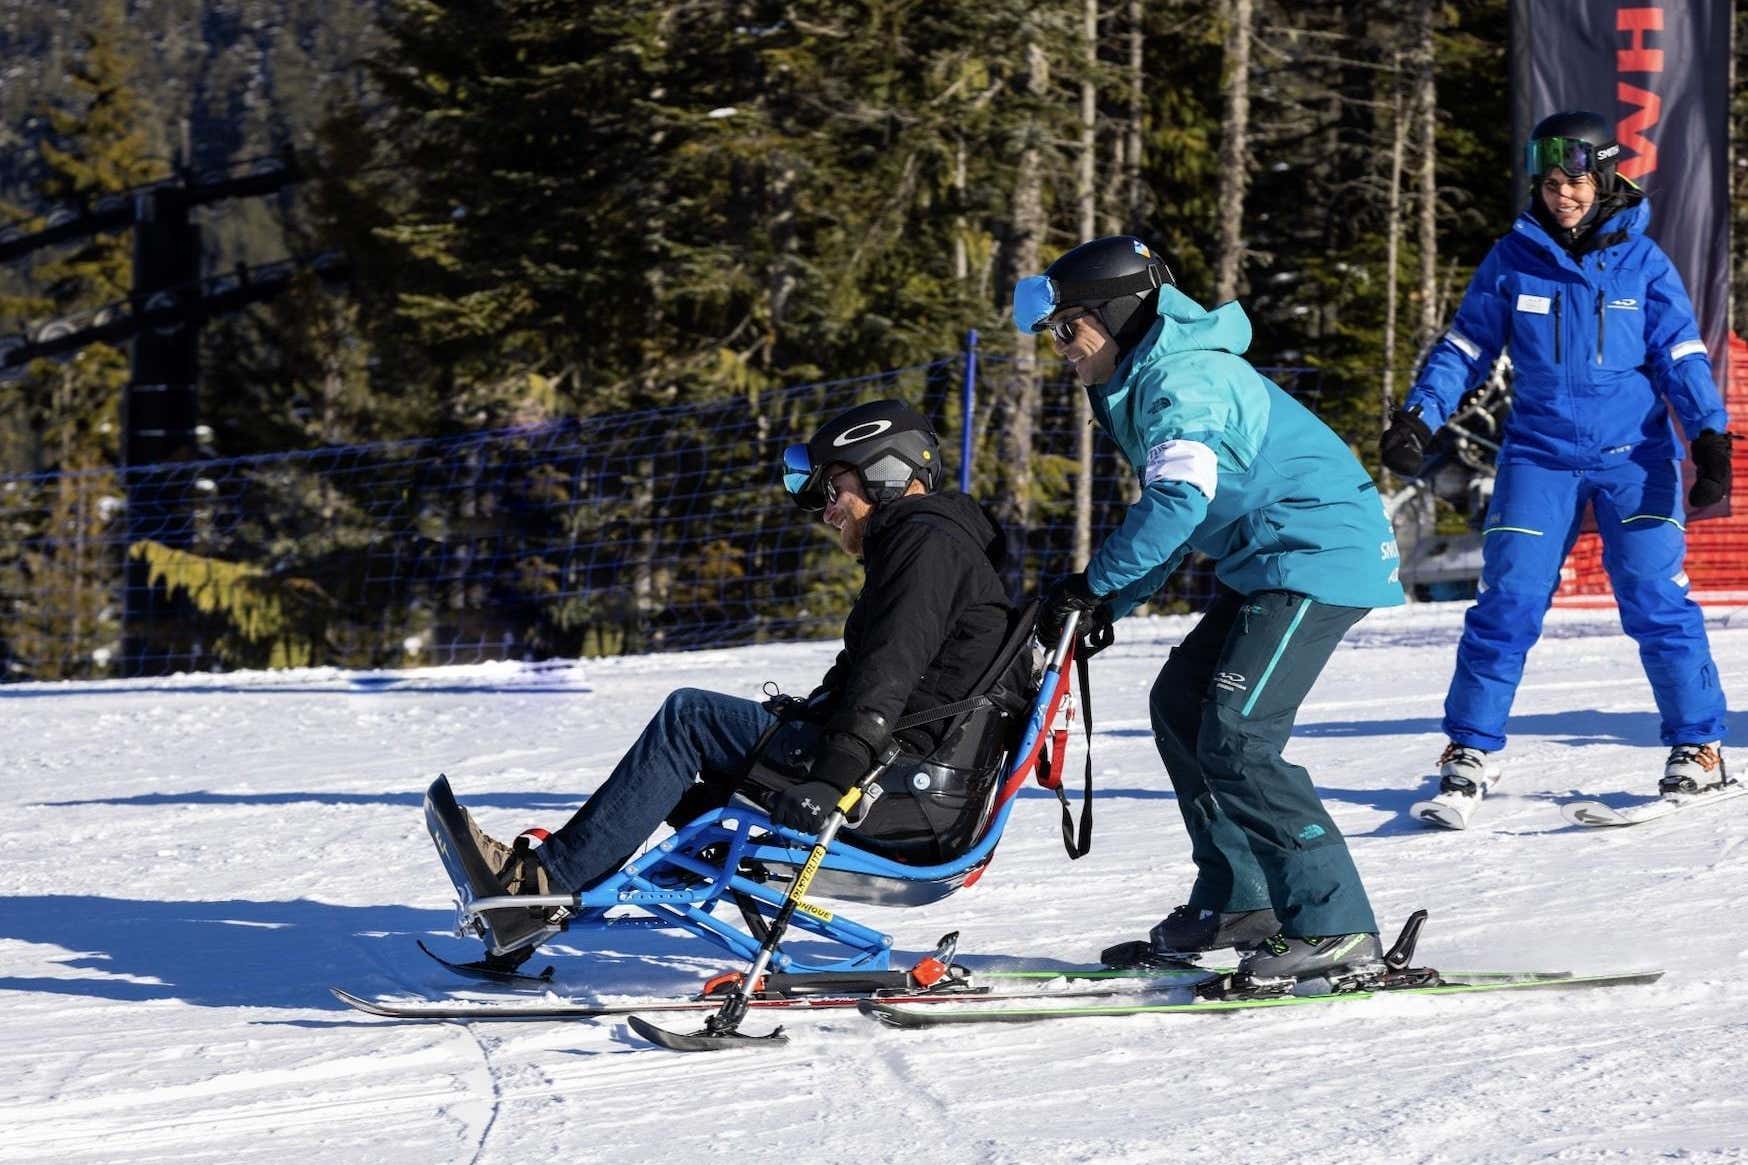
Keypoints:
pixel 860 432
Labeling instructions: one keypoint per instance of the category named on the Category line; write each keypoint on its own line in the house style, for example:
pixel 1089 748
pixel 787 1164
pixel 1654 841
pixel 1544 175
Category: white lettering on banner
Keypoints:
pixel 1534 304
pixel 1187 461
pixel 1387 550
pixel 1687 348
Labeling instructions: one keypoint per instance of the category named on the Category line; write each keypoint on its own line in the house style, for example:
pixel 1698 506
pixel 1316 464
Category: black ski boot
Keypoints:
pixel 1184 934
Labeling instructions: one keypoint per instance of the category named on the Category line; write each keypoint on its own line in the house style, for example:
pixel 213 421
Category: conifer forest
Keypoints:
pixel 556 214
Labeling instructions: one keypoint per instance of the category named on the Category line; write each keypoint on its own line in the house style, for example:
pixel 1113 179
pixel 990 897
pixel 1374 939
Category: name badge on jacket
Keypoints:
pixel 1535 304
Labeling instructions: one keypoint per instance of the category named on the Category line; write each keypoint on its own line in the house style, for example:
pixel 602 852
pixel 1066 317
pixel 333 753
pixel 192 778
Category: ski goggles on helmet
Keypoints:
pixel 1036 297
pixel 797 471
pixel 1573 155
pixel 811 487
pixel 1034 301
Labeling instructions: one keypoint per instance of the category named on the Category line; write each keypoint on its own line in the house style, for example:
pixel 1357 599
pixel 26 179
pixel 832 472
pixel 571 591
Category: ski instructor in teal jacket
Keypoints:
pixel 1231 467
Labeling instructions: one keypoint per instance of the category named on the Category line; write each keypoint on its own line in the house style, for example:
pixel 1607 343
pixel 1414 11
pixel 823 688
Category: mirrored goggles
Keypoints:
pixel 1573 155
pixel 797 469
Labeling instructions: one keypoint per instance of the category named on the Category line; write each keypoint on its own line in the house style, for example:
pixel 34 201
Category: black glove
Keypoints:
pixel 805 807
pixel 1711 464
pixel 1403 445
pixel 1070 593
pixel 784 706
pixel 842 760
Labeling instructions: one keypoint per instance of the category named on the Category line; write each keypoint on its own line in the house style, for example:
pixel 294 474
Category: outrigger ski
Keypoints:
pixel 709 1039
pixel 496 969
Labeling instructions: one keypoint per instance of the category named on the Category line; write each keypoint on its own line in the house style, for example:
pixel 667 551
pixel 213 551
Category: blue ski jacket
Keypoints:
pixel 1598 343
pixel 1234 468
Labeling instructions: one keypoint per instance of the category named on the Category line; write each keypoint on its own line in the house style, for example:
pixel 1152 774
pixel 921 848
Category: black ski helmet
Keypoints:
pixel 888 444
pixel 1112 277
pixel 1578 142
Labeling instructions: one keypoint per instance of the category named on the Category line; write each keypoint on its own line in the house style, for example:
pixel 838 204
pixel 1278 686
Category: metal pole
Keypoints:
pixel 967 410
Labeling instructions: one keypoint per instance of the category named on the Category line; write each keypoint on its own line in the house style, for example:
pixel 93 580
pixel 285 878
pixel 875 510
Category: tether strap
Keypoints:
pixel 930 715
pixel 1078 847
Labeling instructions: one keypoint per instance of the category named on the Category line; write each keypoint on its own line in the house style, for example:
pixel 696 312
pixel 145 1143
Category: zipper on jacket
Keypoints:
pixel 1557 327
pixel 1601 324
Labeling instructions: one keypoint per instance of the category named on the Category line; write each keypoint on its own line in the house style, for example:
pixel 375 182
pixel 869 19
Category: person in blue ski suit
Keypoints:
pixel 1235 469
pixel 1603 341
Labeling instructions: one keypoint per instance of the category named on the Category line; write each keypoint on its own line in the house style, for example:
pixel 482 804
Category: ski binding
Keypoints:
pixel 1596 813
pixel 1456 800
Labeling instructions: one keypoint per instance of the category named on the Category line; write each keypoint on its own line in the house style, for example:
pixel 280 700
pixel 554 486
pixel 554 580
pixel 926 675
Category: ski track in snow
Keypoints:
pixel 192 860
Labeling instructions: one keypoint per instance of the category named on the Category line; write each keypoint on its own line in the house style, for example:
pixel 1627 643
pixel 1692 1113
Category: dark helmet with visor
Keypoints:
pixel 1578 142
pixel 1111 277
pixel 888 444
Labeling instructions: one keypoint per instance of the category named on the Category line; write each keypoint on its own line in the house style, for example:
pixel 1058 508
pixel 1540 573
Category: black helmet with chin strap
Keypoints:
pixel 888 444
pixel 1112 277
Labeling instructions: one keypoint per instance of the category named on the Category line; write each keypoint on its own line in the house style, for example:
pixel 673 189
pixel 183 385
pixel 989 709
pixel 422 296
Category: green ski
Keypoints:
pixel 897 1015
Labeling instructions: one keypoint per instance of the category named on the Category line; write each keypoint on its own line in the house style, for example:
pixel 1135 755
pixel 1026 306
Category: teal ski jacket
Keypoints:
pixel 1234 468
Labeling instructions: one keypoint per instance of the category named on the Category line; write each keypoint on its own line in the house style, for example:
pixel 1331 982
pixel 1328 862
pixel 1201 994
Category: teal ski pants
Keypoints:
pixel 1223 708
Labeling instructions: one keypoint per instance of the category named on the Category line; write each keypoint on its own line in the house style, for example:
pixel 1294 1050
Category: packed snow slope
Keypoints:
pixel 190 862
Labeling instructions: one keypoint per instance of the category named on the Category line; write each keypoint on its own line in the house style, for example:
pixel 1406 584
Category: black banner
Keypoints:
pixel 1660 70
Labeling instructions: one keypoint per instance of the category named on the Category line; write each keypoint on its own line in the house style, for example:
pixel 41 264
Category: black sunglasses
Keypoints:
pixel 1063 329
pixel 829 486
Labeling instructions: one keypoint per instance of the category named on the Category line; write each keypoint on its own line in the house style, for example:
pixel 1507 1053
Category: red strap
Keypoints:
pixel 1050 775
pixel 727 981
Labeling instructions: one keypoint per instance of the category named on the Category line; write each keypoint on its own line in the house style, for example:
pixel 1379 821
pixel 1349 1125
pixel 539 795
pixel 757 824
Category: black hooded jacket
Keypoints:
pixel 931 618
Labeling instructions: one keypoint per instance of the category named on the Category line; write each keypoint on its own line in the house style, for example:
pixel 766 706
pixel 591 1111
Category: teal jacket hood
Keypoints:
pixel 1233 468
pixel 1187 326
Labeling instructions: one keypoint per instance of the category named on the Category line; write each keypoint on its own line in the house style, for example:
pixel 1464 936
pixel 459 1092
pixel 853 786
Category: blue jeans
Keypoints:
pixel 696 735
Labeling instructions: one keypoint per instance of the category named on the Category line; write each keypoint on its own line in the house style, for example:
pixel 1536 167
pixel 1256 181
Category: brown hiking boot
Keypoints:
pixel 517 868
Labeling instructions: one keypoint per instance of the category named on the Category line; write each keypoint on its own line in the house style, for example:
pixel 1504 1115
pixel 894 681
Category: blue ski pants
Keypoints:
pixel 1222 709
pixel 1530 528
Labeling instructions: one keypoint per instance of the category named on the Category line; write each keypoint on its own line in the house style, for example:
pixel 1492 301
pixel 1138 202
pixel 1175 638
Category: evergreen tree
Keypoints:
pixel 58 568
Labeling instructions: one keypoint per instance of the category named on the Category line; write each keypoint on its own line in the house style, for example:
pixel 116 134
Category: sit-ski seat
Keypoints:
pixel 738 853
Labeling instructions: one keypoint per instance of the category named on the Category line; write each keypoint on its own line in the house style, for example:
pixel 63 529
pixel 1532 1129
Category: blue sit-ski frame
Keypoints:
pixel 678 885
